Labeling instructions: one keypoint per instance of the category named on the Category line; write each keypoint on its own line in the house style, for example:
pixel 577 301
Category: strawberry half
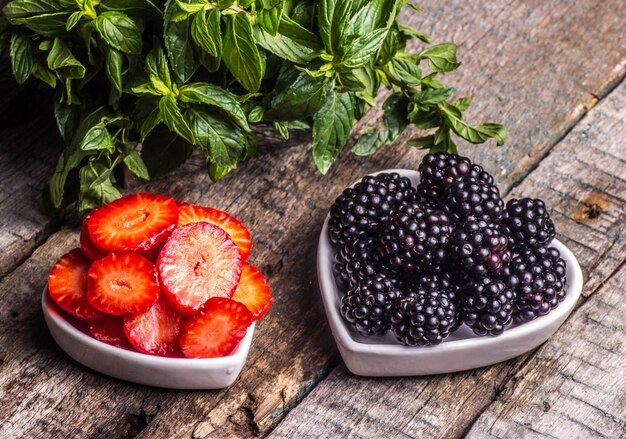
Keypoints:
pixel 67 285
pixel 156 331
pixel 190 213
pixel 88 247
pixel 253 292
pixel 217 330
pixel 199 261
pixel 138 222
pixel 110 331
pixel 122 283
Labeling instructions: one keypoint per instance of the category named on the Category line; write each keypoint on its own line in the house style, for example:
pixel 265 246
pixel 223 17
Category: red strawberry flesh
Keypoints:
pixel 89 248
pixel 253 292
pixel 122 283
pixel 67 285
pixel 217 330
pixel 157 331
pixel 110 331
pixel 137 222
pixel 199 261
pixel 191 213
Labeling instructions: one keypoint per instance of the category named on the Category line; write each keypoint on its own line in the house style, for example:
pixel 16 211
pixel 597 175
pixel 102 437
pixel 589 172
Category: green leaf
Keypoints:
pixel 216 172
pixel 332 18
pixel 203 93
pixel 221 141
pixel 285 47
pixel 425 119
pixel 63 63
pixel 441 58
pixel 426 142
pixel 65 116
pixel 256 114
pixel 47 25
pixel 147 115
pixel 22 57
pixel 388 49
pixel 269 19
pixel 407 71
pixel 368 143
pixel 178 42
pixel 443 141
pixel 97 138
pixel 96 188
pixel 73 20
pixel 473 134
pixel 300 35
pixel 414 33
pixel 29 8
pixel 43 73
pixel 135 164
pixel 362 49
pixel 137 8
pixel 366 19
pixel 113 67
pixel 164 151
pixel 395 116
pixel 206 31
pixel 157 67
pixel 301 98
pixel 462 104
pixel 119 31
pixel 190 8
pixel 429 96
pixel 174 119
pixel 240 54
pixel 331 129
pixel 282 129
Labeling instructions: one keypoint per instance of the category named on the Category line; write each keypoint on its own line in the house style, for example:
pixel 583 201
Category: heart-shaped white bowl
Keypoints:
pixel 462 350
pixel 173 373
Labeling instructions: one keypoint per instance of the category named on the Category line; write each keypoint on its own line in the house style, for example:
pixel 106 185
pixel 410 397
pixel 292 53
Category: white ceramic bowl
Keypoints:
pixel 462 350
pixel 173 373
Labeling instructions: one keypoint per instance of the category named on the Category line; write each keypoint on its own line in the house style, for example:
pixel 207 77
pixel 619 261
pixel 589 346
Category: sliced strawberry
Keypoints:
pixel 156 331
pixel 67 284
pixel 136 222
pixel 123 283
pixel 190 213
pixel 253 292
pixel 89 248
pixel 198 261
pixel 110 331
pixel 217 330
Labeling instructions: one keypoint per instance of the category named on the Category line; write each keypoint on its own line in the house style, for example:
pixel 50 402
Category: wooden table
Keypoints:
pixel 553 70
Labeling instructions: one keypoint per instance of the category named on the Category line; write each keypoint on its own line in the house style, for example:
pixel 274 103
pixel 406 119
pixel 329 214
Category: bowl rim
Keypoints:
pixel 330 293
pixel 52 311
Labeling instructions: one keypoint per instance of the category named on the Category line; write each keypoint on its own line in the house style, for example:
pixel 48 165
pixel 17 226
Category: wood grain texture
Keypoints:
pixel 283 200
pixel 29 145
pixel 575 385
pixel 587 165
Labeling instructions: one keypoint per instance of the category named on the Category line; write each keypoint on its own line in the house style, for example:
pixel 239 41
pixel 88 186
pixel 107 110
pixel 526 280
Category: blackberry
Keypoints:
pixel 527 223
pixel 415 238
pixel 471 199
pixel 359 210
pixel 358 260
pixel 487 305
pixel 439 170
pixel 367 305
pixel 541 279
pixel 478 248
pixel 426 316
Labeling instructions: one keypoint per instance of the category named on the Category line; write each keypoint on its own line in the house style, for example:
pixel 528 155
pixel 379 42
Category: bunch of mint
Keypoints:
pixel 142 83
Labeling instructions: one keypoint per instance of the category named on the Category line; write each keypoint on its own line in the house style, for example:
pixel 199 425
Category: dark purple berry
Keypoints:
pixel 527 223
pixel 487 305
pixel 478 248
pixel 367 306
pixel 469 199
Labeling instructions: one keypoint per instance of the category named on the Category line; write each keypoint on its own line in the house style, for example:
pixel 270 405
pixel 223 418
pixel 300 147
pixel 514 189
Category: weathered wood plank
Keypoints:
pixel 575 385
pixel 587 165
pixel 29 146
pixel 283 201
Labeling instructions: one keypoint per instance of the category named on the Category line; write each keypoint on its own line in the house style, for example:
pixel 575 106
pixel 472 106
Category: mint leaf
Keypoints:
pixel 473 134
pixel 97 138
pixel 407 71
pixel 96 188
pixel 178 41
pixel 426 142
pixel 368 143
pixel 411 32
pixel 164 151
pixel 47 25
pixel 285 47
pixel 147 115
pixel 113 67
pixel 240 53
pixel 429 96
pixel 362 49
pixel 174 119
pixel 395 116
pixel 29 8
pixel 331 128
pixel 300 35
pixel 204 93
pixel 119 31
pixel 221 141
pixel 366 19
pixel 332 19
pixel 206 32
pixel 269 19
pixel 22 57
pixel 63 63
pixel 299 99
pixel 157 67
pixel 135 164
pixel 441 58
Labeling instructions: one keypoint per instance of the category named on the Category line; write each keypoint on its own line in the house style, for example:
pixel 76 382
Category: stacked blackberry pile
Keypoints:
pixel 422 261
